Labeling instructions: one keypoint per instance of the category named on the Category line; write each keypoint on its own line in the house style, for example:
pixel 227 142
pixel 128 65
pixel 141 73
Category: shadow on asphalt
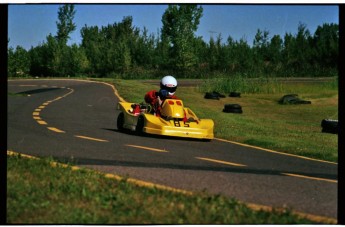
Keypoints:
pixel 226 169
pixel 35 91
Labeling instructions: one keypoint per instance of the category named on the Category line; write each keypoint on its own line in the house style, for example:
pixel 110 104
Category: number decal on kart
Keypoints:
pixel 177 123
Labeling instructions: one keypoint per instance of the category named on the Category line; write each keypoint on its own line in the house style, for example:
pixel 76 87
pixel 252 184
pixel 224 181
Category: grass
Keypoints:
pixel 294 129
pixel 37 193
pixel 241 84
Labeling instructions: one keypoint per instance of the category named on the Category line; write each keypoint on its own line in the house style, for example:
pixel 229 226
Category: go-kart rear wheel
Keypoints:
pixel 140 125
pixel 120 121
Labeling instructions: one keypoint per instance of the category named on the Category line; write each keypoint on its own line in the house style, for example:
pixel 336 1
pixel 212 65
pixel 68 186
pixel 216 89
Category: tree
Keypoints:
pixel 275 49
pixel 91 43
pixel 326 44
pixel 18 62
pixel 260 44
pixel 179 24
pixel 65 24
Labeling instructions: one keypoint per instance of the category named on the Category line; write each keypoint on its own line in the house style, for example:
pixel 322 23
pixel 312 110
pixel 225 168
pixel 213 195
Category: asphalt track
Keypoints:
pixel 75 121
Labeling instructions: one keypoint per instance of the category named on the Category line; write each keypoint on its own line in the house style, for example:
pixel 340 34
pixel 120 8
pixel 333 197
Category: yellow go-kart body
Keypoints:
pixel 175 120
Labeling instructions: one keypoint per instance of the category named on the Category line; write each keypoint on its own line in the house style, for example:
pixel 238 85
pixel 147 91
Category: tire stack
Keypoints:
pixel 232 108
pixel 235 94
pixel 330 126
pixel 213 95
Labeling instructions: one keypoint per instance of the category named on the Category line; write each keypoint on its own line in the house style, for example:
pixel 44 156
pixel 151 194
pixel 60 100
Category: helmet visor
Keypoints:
pixel 169 89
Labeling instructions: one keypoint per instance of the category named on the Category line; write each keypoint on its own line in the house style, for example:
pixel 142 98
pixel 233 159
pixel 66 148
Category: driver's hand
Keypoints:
pixel 163 93
pixel 159 100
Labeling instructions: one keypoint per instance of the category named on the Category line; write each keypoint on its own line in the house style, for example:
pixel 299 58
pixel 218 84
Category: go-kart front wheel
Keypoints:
pixel 140 125
pixel 120 122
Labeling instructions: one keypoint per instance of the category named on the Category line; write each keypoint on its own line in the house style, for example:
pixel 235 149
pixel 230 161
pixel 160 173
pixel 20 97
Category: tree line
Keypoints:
pixel 121 50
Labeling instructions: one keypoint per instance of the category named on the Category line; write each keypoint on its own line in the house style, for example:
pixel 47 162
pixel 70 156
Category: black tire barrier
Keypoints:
pixel 209 95
pixel 219 94
pixel 330 126
pixel 292 99
pixel 232 108
pixel 235 94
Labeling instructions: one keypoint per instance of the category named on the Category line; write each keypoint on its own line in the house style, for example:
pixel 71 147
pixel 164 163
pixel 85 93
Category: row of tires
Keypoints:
pixel 228 108
pixel 217 95
pixel 328 125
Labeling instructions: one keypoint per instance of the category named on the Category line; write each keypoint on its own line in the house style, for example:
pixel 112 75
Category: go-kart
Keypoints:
pixel 174 120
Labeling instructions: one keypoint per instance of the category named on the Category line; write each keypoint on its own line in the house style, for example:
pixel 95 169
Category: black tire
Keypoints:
pixel 304 102
pixel 120 121
pixel 140 125
pixel 235 94
pixel 211 96
pixel 232 108
pixel 329 126
pixel 218 94
pixel 232 111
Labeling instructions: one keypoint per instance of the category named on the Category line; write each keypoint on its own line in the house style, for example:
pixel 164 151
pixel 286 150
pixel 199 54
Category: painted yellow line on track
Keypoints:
pixel 37 111
pixel 58 98
pixel 220 161
pixel 41 122
pixel 276 152
pixel 55 130
pixel 146 148
pixel 91 138
pixel 311 178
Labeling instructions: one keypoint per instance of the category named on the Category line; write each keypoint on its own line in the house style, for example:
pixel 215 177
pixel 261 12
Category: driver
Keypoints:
pixel 168 86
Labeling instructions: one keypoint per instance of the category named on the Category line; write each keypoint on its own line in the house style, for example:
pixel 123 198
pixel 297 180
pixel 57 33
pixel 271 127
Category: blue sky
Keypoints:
pixel 29 25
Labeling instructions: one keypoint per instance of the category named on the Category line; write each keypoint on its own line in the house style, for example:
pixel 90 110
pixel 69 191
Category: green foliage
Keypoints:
pixel 179 24
pixel 18 62
pixel 65 24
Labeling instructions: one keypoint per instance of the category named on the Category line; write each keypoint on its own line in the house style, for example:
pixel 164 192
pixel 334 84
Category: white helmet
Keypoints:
pixel 169 83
